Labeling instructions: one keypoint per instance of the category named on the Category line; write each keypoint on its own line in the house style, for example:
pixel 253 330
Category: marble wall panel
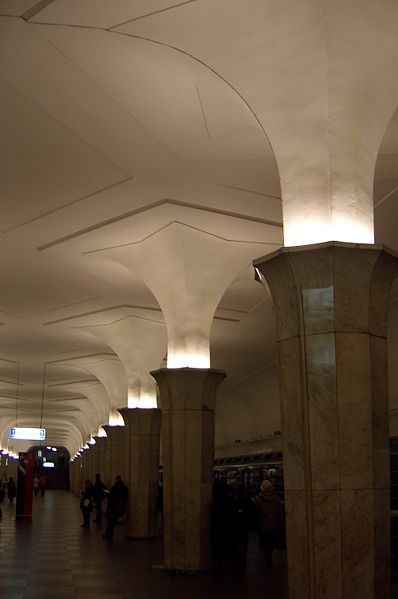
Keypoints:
pixel 208 436
pixel 194 557
pixel 279 278
pixel 193 451
pixel 381 536
pixel 357 543
pixel 322 411
pixel 354 405
pixel 292 416
pixel 327 543
pixel 352 277
pixel 379 412
pixel 313 274
pixel 299 552
pixel 386 270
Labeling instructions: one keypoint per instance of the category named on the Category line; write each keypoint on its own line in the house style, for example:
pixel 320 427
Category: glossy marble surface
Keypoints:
pixel 53 557
pixel 334 406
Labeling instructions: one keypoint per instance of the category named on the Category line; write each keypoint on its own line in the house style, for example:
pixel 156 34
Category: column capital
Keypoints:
pixel 144 421
pixel 188 388
pixel 329 287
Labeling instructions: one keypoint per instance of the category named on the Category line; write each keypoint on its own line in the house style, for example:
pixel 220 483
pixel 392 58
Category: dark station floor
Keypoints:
pixel 52 557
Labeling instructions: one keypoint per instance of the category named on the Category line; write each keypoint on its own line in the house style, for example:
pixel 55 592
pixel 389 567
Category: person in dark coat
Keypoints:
pixel 43 484
pixel 86 502
pixel 224 525
pixel 245 514
pixel 269 509
pixel 11 489
pixel 99 489
pixel 117 500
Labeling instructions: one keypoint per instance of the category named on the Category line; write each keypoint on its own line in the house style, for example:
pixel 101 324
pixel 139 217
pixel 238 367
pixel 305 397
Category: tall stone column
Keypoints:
pixel 100 448
pixel 89 461
pixel 79 480
pixel 142 444
pixel 72 475
pixel 187 397
pixel 106 460
pixel 94 461
pixel 117 462
pixel 331 305
pixel 84 465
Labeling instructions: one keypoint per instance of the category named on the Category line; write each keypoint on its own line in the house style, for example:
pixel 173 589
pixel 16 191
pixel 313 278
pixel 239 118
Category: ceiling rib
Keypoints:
pixel 35 9
pixel 125 215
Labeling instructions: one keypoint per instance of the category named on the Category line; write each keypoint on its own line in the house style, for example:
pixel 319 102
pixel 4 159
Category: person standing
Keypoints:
pixel 269 509
pixel 36 485
pixel 224 526
pixel 99 489
pixel 3 488
pixel 43 484
pixel 11 489
pixel 86 502
pixel 117 500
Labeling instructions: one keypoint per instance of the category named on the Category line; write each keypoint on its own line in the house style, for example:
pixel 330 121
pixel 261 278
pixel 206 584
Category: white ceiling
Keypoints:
pixel 122 119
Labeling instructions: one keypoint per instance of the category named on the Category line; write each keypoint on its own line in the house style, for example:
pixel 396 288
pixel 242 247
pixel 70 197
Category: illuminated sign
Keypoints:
pixel 49 465
pixel 28 434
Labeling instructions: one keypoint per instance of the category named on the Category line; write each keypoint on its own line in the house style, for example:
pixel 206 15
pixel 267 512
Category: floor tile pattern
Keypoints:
pixel 53 557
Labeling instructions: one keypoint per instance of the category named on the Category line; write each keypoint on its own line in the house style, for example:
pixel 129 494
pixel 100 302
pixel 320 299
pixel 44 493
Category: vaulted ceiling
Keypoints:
pixel 144 139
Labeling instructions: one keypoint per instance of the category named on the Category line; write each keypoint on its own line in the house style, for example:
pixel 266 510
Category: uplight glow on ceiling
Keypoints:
pixel 145 401
pixel 297 232
pixel 186 359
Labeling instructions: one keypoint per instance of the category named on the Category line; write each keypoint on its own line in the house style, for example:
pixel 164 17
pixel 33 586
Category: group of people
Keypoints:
pixel 39 484
pixel 93 495
pixel 234 516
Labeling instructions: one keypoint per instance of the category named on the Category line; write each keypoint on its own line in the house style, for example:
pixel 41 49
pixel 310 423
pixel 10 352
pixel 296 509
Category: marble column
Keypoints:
pixel 106 460
pixel 142 445
pixel 89 462
pixel 84 465
pixel 187 397
pixel 117 462
pixel 94 461
pixel 100 447
pixel 79 480
pixel 74 475
pixel 331 306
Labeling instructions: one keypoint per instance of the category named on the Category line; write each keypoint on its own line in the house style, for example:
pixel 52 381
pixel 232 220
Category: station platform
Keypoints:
pixel 52 556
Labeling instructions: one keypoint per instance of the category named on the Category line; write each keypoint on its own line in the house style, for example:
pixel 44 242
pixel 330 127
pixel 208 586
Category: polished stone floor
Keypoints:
pixel 54 557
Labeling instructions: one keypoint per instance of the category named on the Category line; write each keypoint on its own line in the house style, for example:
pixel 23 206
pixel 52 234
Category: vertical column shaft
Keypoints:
pixel 142 442
pixel 187 397
pixel 331 304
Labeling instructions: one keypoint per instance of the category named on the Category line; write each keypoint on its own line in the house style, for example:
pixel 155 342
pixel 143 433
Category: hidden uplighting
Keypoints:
pixel 298 231
pixel 92 441
pixel 115 419
pixel 188 360
pixel 144 401
pixel 101 432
